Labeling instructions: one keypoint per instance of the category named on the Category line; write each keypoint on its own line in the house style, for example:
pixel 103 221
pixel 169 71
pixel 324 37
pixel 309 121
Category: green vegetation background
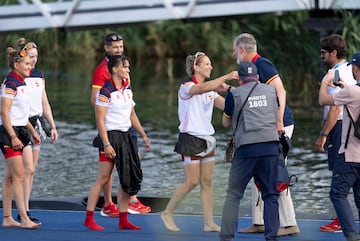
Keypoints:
pixel 284 39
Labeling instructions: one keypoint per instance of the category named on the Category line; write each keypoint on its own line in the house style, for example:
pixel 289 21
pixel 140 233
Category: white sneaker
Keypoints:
pixel 133 211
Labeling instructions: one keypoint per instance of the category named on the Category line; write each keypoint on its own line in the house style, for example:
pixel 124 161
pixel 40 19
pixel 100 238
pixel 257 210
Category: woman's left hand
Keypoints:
pixel 54 135
pixel 147 143
pixel 109 152
pixel 36 138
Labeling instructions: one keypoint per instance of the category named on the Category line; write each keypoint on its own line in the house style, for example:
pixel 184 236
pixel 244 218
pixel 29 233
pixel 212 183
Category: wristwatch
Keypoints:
pixel 322 133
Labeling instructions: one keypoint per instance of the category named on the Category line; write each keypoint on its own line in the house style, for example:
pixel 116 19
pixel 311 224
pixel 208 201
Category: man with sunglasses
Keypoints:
pixel 332 54
pixel 113 45
pixel 347 165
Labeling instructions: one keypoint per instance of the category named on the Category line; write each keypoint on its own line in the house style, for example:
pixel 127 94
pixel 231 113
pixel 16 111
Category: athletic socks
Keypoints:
pixel 90 222
pixel 124 222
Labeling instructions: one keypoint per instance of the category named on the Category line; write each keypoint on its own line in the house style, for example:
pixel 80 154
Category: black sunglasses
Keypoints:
pixel 324 51
pixel 112 37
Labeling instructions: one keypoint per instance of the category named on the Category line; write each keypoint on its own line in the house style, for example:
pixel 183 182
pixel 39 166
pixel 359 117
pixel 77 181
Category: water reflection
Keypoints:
pixel 69 167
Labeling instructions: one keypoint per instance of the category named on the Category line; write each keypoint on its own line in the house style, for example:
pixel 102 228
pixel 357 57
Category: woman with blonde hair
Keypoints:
pixel 39 109
pixel 16 134
pixel 196 144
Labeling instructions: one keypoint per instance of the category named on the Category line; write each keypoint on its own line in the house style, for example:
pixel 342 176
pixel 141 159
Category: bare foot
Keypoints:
pixel 9 221
pixel 212 228
pixel 168 221
pixel 30 225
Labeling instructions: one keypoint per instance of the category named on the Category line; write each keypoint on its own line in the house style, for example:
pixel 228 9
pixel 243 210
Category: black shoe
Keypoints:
pixel 35 220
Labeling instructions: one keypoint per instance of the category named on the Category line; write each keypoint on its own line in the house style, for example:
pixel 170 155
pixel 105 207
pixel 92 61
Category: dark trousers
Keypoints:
pixel 346 175
pixel 264 169
pixel 333 144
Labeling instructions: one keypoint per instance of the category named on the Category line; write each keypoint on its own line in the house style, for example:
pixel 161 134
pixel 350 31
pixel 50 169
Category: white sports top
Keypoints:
pixel 119 103
pixel 37 85
pixel 14 88
pixel 195 111
pixel 345 74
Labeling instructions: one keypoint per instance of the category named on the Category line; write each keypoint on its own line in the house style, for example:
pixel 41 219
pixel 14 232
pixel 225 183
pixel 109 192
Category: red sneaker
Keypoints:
pixel 138 208
pixel 110 211
pixel 334 226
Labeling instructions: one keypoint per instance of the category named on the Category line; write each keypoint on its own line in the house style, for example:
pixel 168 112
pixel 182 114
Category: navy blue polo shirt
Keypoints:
pixel 267 72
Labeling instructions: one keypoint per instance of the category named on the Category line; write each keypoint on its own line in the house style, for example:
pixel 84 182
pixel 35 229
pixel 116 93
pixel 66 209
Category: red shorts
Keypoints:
pixel 196 159
pixel 10 152
pixel 103 158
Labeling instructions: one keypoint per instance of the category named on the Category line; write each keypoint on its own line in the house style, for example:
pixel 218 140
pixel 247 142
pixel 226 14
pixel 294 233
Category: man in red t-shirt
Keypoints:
pixel 113 45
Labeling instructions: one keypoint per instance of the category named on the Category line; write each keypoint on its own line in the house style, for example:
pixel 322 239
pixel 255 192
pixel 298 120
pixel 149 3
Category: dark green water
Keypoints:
pixel 69 167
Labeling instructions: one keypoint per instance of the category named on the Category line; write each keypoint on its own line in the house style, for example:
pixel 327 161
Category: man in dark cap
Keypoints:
pixel 252 109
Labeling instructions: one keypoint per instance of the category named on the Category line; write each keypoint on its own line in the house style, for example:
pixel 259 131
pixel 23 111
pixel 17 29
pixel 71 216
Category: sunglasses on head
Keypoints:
pixel 198 55
pixel 29 45
pixel 18 55
pixel 113 37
